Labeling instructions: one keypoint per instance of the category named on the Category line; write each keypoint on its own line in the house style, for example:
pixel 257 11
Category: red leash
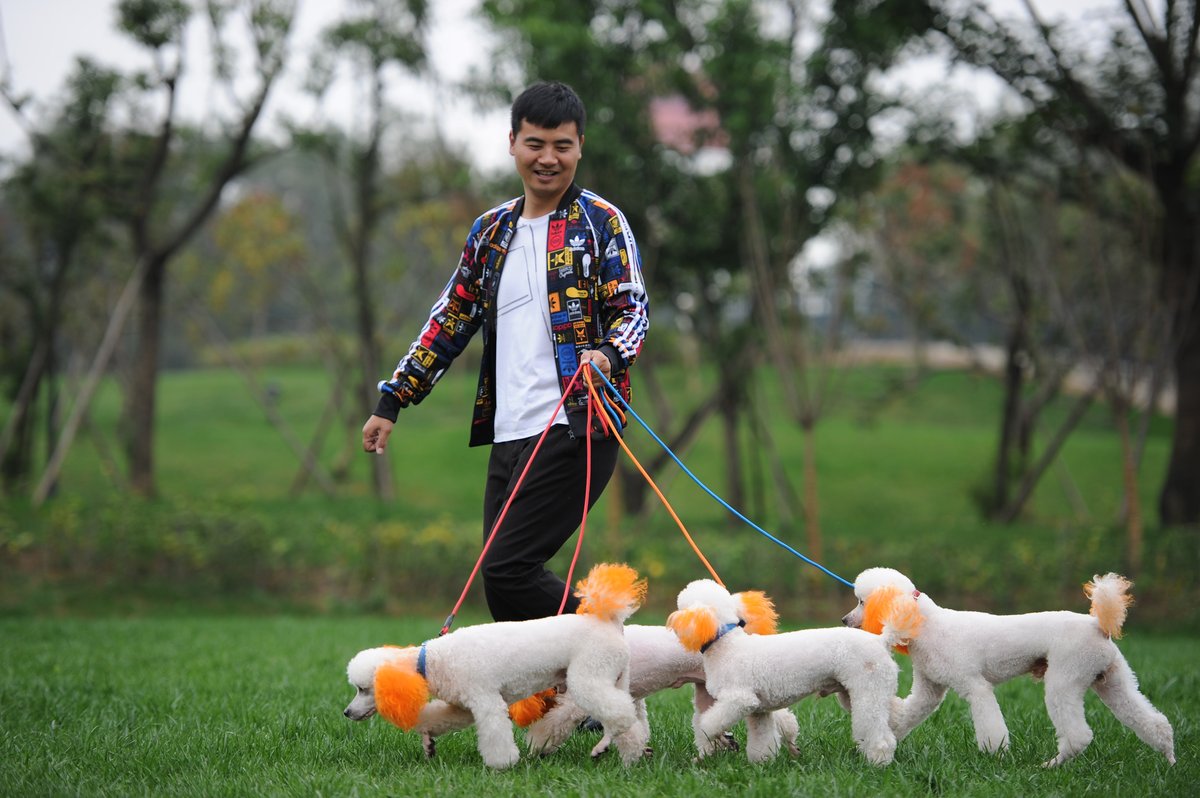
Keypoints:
pixel 587 492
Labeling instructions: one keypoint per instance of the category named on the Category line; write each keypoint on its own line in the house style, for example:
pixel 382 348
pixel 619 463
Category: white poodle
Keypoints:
pixel 657 661
pixel 477 671
pixel 751 675
pixel 971 652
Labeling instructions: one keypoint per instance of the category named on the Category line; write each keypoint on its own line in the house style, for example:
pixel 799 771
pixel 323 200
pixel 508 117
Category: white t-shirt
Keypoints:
pixel 526 377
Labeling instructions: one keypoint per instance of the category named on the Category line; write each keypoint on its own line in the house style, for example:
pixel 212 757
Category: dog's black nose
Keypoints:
pixel 346 712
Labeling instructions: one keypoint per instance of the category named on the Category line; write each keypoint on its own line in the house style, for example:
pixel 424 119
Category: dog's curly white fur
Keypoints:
pixel 752 675
pixel 971 652
pixel 657 661
pixel 477 671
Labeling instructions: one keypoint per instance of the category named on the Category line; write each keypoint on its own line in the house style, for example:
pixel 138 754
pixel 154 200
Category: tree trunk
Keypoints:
pixel 730 407
pixel 1013 432
pixel 1179 501
pixel 15 461
pixel 141 398
pixel 1133 517
pixel 812 516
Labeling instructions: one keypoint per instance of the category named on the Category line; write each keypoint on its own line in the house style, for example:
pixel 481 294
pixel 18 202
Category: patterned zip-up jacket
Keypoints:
pixel 595 293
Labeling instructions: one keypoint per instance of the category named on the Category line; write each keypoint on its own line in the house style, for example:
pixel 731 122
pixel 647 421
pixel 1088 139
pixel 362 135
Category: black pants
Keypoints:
pixel 543 516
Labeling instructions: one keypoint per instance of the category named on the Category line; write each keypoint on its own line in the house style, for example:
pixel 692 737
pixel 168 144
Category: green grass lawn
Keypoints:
pixel 202 706
pixel 897 473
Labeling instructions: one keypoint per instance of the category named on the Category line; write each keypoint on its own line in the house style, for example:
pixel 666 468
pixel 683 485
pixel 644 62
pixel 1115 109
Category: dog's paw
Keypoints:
pixel 429 746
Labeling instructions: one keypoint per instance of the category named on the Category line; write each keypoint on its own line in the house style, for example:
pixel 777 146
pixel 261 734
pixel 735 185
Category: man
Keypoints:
pixel 553 279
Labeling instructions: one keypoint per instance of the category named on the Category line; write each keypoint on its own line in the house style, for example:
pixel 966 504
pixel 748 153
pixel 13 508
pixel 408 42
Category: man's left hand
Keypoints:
pixel 600 359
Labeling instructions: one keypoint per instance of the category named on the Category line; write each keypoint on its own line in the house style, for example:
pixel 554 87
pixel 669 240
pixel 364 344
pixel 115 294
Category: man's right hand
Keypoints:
pixel 375 434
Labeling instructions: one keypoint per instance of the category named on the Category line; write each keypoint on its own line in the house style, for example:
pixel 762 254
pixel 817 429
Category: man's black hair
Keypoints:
pixel 548 104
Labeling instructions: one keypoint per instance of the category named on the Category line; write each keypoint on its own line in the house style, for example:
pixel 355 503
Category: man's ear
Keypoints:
pixel 581 144
pixel 512 143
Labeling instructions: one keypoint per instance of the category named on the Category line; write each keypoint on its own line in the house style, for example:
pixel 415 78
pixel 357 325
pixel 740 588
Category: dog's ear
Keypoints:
pixel 894 608
pixel 695 626
pixel 400 693
pixel 876 608
pixel 758 611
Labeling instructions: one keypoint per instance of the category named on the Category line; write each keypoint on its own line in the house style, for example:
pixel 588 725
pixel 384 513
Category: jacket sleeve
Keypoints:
pixel 453 320
pixel 622 292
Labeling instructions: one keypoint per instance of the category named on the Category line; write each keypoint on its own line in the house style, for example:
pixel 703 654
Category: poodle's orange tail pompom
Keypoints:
pixel 758 611
pixel 695 627
pixel 400 692
pixel 893 613
pixel 527 710
pixel 1110 602
pixel 611 591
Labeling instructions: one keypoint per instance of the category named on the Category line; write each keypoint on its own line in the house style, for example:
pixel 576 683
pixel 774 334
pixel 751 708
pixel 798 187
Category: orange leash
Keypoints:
pixel 612 428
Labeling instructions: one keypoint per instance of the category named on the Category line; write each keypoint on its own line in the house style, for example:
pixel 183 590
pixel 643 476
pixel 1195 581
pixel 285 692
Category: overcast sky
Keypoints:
pixel 40 39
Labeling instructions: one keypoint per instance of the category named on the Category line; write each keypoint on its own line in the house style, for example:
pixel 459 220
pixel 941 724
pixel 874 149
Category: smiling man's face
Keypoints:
pixel 546 159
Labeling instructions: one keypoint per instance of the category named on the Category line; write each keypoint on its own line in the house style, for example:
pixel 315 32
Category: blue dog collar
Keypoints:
pixel 421 660
pixel 721 632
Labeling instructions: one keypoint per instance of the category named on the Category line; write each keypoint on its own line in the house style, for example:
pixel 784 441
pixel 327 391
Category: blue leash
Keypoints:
pixel 706 489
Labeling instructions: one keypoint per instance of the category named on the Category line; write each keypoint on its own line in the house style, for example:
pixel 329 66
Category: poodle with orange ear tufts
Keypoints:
pixel 972 652
pixel 475 673
pixel 752 675
pixel 658 661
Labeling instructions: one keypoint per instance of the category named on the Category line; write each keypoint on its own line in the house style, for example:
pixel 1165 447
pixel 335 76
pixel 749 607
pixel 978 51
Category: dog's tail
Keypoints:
pixel 1110 602
pixel 527 710
pixel 758 611
pixel 400 692
pixel 611 592
pixel 893 613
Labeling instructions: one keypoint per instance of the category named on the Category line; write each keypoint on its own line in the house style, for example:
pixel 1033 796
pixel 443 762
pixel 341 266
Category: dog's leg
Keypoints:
pixel 546 734
pixel 643 725
pixel 701 701
pixel 762 737
pixel 991 733
pixel 725 713
pixel 438 718
pixel 1064 703
pixel 922 700
pixel 493 730
pixel 871 705
pixel 788 728
pixel 1118 689
pixel 596 694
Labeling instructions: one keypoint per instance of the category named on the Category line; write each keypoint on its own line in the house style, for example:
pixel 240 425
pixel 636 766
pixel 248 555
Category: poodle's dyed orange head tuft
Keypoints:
pixel 758 611
pixel 527 710
pixel 894 607
pixel 695 626
pixel 610 591
pixel 400 692
pixel 877 607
